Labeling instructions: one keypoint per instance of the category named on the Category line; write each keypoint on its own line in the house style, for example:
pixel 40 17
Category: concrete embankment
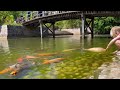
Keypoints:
pixel 109 70
pixel 7 31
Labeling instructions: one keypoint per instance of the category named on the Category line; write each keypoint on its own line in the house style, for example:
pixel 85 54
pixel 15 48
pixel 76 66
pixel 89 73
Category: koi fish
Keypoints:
pixel 30 57
pixel 46 54
pixel 96 49
pixel 21 66
pixel 20 60
pixel 18 67
pixel 11 68
pixel 56 60
pixel 26 57
pixel 14 72
pixel 70 50
pixel 15 68
pixel 6 70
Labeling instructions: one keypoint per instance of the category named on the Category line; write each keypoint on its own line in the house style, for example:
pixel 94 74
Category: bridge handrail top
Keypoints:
pixel 45 14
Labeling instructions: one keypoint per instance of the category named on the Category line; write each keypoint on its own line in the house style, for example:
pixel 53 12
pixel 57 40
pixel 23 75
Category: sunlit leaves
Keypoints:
pixel 102 25
pixel 73 23
pixel 8 17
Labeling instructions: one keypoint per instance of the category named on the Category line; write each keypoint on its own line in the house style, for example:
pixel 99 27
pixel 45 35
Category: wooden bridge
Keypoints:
pixel 39 18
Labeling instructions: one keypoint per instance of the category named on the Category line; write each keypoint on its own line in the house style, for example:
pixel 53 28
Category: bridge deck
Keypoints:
pixel 52 16
pixel 71 15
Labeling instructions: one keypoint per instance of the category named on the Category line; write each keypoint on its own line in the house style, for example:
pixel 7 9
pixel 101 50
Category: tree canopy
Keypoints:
pixel 8 17
pixel 102 25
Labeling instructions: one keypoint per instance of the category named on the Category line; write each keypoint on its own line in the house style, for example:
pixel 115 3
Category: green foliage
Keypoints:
pixel 102 25
pixel 8 17
pixel 73 23
pixel 59 24
pixel 16 13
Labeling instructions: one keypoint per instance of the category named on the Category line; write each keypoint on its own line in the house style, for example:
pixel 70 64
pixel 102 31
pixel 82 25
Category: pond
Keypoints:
pixel 73 62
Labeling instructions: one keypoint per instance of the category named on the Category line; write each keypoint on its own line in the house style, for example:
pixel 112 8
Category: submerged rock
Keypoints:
pixel 110 71
pixel 21 66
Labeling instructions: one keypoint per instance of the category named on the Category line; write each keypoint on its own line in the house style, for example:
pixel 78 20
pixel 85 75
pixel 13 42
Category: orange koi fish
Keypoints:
pixel 6 70
pixel 69 50
pixel 14 72
pixel 20 59
pixel 30 57
pixel 46 54
pixel 18 67
pixel 11 68
pixel 53 61
pixel 96 49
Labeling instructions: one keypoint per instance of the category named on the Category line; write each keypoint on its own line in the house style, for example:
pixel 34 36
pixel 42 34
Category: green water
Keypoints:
pixel 77 64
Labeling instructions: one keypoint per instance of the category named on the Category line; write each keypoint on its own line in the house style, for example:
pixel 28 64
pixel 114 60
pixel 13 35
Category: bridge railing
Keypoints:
pixel 47 13
pixel 30 15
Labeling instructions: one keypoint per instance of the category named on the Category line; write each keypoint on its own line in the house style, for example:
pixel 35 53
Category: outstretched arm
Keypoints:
pixel 112 42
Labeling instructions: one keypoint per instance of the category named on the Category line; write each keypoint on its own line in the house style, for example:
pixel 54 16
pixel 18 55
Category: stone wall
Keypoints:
pixel 7 31
pixel 21 31
pixel 3 31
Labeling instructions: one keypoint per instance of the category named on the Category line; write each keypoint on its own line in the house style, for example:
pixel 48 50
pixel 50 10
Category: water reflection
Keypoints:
pixel 41 42
pixel 89 40
pixel 4 45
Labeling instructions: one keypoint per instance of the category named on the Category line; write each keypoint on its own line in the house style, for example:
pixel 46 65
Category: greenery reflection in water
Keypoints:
pixel 77 63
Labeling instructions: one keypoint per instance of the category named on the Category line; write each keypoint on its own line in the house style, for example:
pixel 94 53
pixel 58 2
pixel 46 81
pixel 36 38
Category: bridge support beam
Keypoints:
pixel 92 26
pixel 53 28
pixel 83 25
pixel 41 29
pixel 89 26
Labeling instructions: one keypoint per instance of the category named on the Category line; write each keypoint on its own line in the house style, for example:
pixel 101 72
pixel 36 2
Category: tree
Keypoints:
pixel 8 17
pixel 102 25
pixel 72 23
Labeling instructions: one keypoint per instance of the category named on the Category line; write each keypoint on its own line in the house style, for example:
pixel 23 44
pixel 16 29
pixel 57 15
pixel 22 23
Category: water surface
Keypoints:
pixel 77 63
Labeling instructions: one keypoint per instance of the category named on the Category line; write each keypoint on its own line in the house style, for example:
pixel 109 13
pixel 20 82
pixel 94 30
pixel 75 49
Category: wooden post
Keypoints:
pixel 41 35
pixel 53 28
pixel 83 25
pixel 80 28
pixel 43 13
pixel 92 26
